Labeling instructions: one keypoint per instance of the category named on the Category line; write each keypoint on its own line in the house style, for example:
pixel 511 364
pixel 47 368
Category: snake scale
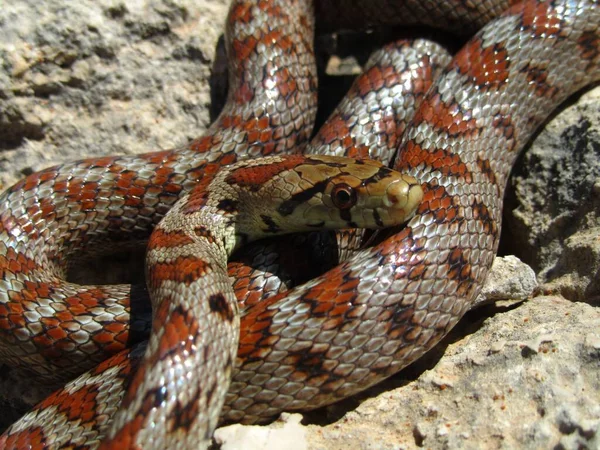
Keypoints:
pixel 343 331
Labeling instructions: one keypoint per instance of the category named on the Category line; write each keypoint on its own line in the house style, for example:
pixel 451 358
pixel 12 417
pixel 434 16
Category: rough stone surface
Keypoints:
pixel 555 203
pixel 510 278
pixel 87 78
pixel 92 78
pixel 525 378
pixel 287 432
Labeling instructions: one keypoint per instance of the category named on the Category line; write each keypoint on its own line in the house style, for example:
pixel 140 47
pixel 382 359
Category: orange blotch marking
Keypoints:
pixel 240 13
pixel 201 145
pixel 178 334
pixel 78 405
pixel 362 152
pixel 244 48
pixel 243 94
pixel 446 118
pixel 447 163
pixel 284 82
pixel 231 122
pixel 486 67
pixel 83 193
pixel 160 157
pixel 440 204
pixel 254 326
pixel 375 79
pixel 168 239
pixel 334 129
pixel 538 78
pixel 162 175
pixel 38 178
pixel 105 161
pixel 255 177
pixel 103 338
pixel 47 207
pixel 589 45
pixel 227 159
pixel 115 327
pixel 32 438
pixel 121 360
pixel 199 195
pixel 540 18
pixel 333 297
pixel 13 262
pixel 125 437
pixel 184 269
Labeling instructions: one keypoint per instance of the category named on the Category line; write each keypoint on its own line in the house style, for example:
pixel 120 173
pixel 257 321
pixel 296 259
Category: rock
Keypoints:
pixel 95 78
pixel 539 389
pixel 509 279
pixel 287 432
pixel 87 78
pixel 554 218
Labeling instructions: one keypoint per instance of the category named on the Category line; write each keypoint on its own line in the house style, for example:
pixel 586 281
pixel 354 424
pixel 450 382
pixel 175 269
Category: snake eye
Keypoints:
pixel 343 196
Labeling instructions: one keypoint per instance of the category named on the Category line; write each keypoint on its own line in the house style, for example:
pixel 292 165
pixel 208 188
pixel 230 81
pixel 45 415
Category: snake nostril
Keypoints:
pixel 405 194
pixel 396 195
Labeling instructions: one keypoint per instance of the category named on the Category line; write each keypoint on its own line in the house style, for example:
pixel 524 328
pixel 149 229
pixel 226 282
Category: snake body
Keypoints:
pixel 196 321
pixel 385 306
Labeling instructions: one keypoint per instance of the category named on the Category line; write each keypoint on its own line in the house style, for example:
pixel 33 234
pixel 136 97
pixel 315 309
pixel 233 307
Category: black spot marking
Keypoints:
pixel 484 216
pixel 317 225
pixel 272 227
pixel 486 169
pixel 460 271
pixel 382 173
pixel 228 205
pixel 377 218
pixel 159 394
pixel 219 305
pixel 184 415
pixel 206 353
pixel 288 207
pixel 345 215
pixel 210 391
pixel 203 232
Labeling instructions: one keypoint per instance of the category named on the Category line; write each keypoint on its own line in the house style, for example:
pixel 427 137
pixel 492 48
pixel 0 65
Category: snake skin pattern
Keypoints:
pixel 385 306
pixel 196 321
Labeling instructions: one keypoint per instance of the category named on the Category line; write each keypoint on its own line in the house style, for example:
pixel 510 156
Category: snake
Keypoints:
pixel 365 319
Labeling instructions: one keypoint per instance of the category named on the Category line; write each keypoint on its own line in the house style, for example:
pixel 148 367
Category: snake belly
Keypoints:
pixel 398 299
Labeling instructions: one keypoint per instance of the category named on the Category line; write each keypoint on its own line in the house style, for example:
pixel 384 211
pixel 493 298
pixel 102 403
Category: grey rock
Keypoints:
pixel 82 79
pixel 287 432
pixel 554 218
pixel 86 78
pixel 509 279
pixel 539 389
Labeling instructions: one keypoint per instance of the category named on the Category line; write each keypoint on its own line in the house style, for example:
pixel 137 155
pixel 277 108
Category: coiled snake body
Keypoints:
pixel 353 326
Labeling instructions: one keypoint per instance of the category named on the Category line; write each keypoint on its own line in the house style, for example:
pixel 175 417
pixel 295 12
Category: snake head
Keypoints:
pixel 301 193
pixel 364 194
